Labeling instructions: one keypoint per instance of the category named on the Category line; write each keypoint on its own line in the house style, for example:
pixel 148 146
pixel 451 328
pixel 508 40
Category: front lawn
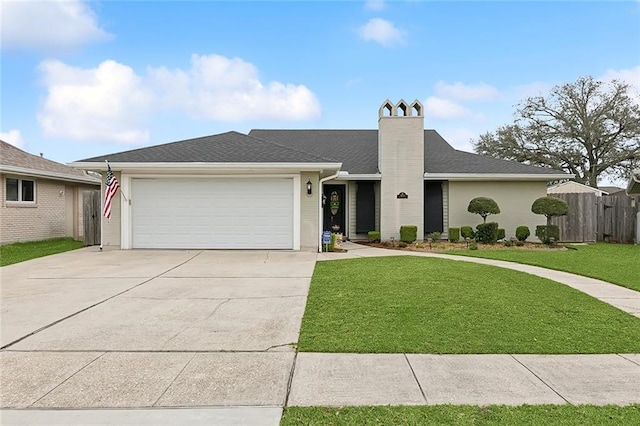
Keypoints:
pixel 19 252
pixel 425 305
pixel 615 263
pixel 533 415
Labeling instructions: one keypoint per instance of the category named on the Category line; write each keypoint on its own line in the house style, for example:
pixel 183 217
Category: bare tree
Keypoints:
pixel 588 128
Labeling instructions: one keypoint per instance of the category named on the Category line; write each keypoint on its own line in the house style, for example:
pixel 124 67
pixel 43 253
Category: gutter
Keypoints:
pixel 496 176
pixel 22 171
pixel 320 184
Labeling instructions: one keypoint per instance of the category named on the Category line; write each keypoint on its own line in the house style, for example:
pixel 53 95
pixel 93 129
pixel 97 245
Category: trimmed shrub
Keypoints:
pixel 550 207
pixel 467 232
pixel 454 234
pixel 546 232
pixel 435 236
pixel 522 233
pixel 374 236
pixel 487 233
pixel 408 233
pixel 473 245
pixel 484 207
pixel 501 233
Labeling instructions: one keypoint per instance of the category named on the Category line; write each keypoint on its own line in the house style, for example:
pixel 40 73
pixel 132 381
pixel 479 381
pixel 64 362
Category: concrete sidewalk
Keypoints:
pixel 625 299
pixel 111 364
pixel 418 379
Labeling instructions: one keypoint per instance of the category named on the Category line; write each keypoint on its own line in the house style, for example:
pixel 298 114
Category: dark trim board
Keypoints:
pixel 365 207
pixel 433 207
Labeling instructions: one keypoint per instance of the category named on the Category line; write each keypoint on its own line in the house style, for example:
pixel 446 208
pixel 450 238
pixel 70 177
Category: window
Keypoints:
pixel 20 190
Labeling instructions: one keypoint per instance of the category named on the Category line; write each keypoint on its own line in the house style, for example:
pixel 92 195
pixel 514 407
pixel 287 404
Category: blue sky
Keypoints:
pixel 88 78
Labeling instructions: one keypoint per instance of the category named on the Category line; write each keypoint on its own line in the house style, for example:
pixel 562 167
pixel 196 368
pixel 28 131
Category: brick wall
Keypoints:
pixel 28 222
pixel 51 216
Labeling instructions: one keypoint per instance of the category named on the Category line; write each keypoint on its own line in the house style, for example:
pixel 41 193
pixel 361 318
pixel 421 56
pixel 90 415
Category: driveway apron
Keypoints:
pixel 139 329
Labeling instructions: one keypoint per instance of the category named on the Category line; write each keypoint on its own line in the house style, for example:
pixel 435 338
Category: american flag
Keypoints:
pixel 110 190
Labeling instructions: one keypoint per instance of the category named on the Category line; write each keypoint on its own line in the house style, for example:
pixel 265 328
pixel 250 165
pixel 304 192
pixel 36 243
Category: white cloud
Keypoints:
pixel 219 88
pixel 376 5
pixel 464 92
pixel 49 25
pixel 443 108
pixel 14 138
pixel 107 103
pixel 111 103
pixel 381 31
pixel 459 137
pixel 629 76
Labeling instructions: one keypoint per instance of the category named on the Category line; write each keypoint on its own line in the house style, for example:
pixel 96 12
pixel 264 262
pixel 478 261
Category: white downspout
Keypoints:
pixel 320 221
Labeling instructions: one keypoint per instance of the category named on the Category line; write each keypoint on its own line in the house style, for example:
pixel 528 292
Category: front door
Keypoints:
pixel 334 209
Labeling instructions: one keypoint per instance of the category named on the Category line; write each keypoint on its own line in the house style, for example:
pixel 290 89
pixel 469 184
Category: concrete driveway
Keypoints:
pixel 151 328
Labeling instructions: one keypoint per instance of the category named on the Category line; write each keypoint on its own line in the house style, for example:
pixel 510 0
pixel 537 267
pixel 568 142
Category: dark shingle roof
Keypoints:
pixel 230 147
pixel 10 156
pixel 358 151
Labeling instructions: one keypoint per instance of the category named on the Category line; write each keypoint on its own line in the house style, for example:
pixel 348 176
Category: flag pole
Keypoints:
pixel 102 210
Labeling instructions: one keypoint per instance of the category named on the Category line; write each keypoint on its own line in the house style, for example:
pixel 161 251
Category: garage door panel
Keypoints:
pixel 212 213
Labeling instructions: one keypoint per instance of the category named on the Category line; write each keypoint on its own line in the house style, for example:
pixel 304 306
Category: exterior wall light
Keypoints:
pixel 309 187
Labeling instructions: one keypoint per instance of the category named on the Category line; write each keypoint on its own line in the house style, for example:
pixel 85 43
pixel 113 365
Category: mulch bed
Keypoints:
pixel 441 246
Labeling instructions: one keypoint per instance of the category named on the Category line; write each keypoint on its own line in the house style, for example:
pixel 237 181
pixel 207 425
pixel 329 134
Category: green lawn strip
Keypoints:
pixel 464 415
pixel 614 263
pixel 19 252
pixel 426 305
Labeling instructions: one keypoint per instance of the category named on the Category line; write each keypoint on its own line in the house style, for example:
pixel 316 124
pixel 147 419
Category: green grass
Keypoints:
pixel 19 252
pixel 615 263
pixel 524 415
pixel 427 305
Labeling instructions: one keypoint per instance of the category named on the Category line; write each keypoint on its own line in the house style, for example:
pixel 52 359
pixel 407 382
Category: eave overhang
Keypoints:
pixel 497 176
pixel 324 169
pixel 22 171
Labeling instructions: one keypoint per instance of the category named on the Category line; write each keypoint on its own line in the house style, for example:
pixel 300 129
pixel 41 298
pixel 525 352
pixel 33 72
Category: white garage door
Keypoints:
pixel 212 213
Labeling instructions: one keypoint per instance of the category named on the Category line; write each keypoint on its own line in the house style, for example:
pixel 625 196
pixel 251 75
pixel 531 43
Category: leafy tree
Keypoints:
pixel 484 207
pixel 550 207
pixel 587 128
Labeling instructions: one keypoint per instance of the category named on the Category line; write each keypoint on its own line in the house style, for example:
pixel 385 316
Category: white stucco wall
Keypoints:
pixel 309 212
pixel 513 198
pixel 401 163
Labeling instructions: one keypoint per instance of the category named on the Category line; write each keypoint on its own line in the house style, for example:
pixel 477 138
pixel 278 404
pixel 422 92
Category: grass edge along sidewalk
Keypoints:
pixel 522 415
pixel 408 304
pixel 23 251
pixel 614 263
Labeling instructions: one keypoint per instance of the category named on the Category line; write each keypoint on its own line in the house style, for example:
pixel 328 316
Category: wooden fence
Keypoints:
pixel 609 218
pixel 91 216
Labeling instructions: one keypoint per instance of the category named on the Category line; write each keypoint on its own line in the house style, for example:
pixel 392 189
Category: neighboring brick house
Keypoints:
pixel 279 189
pixel 40 198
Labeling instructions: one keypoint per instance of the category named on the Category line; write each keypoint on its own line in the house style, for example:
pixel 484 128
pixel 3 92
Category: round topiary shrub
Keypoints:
pixel 484 207
pixel 550 207
pixel 467 232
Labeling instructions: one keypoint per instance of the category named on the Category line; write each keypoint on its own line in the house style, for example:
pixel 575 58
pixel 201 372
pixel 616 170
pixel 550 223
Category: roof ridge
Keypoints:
pixel 38 161
pixel 291 149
